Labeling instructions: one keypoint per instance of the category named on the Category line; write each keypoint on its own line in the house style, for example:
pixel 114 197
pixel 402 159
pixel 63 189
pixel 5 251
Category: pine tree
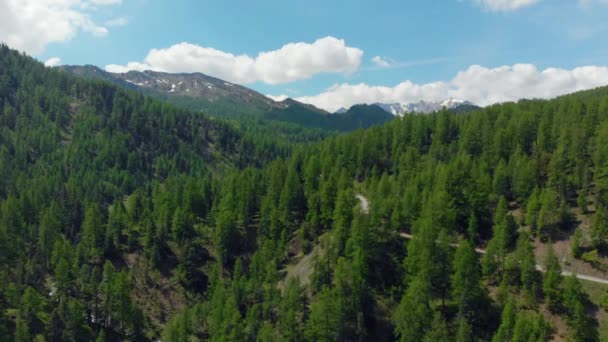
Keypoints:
pixel 552 280
pixel 473 229
pixel 76 324
pixel 581 326
pixel 507 323
pixel 181 226
pixel 343 215
pixel 501 180
pixel 117 221
pixel 50 223
pixel 225 321
pixel 413 316
pixel 266 333
pixel 523 176
pixel 420 248
pixel 599 227
pixel 600 160
pixel 549 214
pixel 322 324
pixel 523 330
pixel 493 261
pixel 291 306
pixel 464 332
pixel 575 243
pixel 532 209
pixel 225 234
pixel 466 282
pixel 524 254
pixel 93 229
pixel 439 331
pixel 107 291
pixel 292 201
pixel 581 200
pixel 442 267
pixel 328 198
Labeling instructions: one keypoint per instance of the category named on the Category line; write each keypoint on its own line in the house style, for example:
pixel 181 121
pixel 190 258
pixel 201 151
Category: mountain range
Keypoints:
pixel 220 98
pixel 425 107
pixel 216 97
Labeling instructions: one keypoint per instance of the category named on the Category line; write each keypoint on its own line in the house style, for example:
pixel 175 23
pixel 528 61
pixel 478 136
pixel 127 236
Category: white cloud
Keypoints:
pixel 278 98
pixel 122 21
pixel 381 62
pixel 293 61
pixel 345 95
pixel 481 85
pixel 504 5
pixel 53 61
pixel 30 25
pixel 106 2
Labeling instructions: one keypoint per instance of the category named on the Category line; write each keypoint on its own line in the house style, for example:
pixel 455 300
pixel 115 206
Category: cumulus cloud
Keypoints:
pixel 106 2
pixel 291 62
pixel 30 25
pixel 53 61
pixel 381 62
pixel 505 5
pixel 481 85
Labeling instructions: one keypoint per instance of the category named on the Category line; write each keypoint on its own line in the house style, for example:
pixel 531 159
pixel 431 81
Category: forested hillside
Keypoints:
pixel 70 153
pixel 124 218
pixel 218 98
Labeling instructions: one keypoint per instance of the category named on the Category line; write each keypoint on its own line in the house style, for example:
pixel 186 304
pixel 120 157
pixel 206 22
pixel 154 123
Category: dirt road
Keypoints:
pixel 365 209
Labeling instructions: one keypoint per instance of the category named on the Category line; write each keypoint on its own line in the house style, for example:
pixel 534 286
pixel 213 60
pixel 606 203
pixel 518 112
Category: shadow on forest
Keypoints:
pixel 563 231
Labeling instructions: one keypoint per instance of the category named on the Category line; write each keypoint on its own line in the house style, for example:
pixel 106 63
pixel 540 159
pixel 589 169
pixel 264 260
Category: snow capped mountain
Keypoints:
pixel 393 108
pixel 399 109
pixel 453 103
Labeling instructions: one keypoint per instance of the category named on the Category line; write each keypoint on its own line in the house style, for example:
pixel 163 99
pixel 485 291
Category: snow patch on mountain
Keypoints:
pixel 399 109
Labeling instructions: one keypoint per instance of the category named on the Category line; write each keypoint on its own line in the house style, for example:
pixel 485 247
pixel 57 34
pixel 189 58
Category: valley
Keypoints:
pixel 132 210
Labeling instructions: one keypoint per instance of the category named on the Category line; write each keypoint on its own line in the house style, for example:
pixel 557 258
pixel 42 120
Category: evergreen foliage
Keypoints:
pixel 109 198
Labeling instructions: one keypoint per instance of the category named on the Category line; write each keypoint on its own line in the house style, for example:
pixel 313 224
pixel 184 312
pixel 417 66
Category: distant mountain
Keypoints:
pixel 342 110
pixel 399 109
pixel 358 116
pixel 178 87
pixel 196 91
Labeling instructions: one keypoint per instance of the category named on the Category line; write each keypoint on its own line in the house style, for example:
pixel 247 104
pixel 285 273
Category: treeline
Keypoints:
pixel 107 195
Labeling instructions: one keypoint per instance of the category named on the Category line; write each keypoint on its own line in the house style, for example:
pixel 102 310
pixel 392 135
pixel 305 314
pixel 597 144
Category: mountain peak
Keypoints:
pixel 422 106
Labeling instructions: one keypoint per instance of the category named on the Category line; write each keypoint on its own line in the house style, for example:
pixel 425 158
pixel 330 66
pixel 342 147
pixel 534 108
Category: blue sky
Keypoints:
pixel 424 42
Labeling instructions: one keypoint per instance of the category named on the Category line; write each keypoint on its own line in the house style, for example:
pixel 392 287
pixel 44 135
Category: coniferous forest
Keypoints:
pixel 123 217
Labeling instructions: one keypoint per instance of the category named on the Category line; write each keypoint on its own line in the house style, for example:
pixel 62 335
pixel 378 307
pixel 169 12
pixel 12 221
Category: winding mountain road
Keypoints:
pixel 365 209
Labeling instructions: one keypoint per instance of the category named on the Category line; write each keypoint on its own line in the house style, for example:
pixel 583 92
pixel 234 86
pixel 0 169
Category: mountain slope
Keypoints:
pixel 193 85
pixel 219 98
pixel 87 156
pixel 504 179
